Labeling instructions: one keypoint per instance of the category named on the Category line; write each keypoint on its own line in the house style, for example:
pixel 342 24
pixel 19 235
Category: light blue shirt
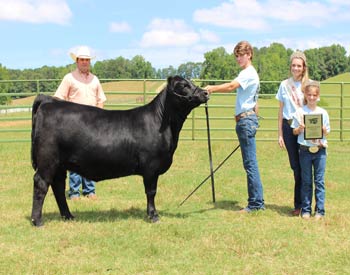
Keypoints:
pixel 247 92
pixel 298 116
pixel 283 96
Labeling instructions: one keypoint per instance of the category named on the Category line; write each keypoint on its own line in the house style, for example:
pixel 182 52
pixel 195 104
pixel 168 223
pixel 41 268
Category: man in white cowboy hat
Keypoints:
pixel 81 86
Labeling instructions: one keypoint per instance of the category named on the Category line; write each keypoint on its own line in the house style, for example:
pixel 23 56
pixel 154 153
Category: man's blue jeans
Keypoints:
pixel 291 142
pixel 317 162
pixel 75 180
pixel 246 129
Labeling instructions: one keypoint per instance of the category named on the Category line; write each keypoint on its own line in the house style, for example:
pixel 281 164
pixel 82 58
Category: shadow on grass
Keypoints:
pixel 224 205
pixel 133 213
pixel 227 205
pixel 109 215
pixel 283 210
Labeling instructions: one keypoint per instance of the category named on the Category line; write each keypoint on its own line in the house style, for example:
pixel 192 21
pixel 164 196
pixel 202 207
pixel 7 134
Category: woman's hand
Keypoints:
pixel 281 142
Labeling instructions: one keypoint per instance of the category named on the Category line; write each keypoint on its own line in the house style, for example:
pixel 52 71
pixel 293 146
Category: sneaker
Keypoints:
pixel 318 216
pixel 92 196
pixel 296 212
pixel 306 216
pixel 249 210
pixel 244 210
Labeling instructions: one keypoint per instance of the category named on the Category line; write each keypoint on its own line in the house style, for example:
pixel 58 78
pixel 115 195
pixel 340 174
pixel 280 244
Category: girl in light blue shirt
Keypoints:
pixel 312 152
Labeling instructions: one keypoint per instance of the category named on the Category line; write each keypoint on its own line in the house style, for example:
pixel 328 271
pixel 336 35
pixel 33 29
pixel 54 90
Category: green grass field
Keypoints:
pixel 111 235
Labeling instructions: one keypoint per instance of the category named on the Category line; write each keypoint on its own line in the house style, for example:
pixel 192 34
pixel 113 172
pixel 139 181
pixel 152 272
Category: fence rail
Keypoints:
pixel 15 116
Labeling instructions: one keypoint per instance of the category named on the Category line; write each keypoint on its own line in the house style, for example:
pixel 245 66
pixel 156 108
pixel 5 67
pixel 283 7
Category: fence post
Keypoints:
pixel 144 91
pixel 341 110
pixel 38 87
pixel 193 124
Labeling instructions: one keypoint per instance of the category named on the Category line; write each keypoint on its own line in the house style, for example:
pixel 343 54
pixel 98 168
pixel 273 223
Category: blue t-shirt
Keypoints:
pixel 247 92
pixel 298 119
pixel 283 95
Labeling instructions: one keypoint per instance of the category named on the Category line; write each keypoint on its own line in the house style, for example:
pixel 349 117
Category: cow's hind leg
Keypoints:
pixel 150 184
pixel 39 193
pixel 58 188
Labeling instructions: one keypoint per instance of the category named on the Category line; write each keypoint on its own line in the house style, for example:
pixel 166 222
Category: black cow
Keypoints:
pixel 103 144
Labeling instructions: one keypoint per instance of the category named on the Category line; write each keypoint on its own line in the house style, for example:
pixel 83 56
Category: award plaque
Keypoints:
pixel 313 126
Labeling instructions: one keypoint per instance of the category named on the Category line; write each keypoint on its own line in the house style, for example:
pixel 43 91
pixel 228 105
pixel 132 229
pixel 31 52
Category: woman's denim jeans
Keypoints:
pixel 291 142
pixel 317 162
pixel 246 129
pixel 75 180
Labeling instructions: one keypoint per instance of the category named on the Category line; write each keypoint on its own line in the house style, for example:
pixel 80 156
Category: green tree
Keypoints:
pixel 218 64
pixel 4 86
pixel 165 72
pixel 140 68
pixel 272 64
pixel 327 62
pixel 190 70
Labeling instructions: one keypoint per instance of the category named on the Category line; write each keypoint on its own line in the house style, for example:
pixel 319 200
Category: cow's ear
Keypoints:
pixel 170 79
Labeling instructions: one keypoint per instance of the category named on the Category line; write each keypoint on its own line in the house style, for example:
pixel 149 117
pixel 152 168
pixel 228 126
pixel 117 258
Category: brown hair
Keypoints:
pixel 243 47
pixel 308 85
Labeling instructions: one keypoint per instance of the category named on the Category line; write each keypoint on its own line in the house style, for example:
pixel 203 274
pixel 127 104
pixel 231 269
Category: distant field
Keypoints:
pixel 110 88
pixel 128 94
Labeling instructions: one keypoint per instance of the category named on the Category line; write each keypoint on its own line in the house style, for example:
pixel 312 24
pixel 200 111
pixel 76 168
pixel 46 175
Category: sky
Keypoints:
pixel 36 33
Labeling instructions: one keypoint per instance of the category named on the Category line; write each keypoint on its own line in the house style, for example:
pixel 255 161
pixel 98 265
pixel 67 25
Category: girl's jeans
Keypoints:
pixel 317 162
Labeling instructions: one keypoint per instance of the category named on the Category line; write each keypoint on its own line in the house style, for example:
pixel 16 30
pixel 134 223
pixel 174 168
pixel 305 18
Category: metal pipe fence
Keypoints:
pixel 15 110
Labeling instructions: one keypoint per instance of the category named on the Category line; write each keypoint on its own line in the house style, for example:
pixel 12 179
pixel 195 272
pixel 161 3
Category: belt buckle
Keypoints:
pixel 313 149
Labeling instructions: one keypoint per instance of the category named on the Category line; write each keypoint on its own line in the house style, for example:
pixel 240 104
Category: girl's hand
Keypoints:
pixel 324 130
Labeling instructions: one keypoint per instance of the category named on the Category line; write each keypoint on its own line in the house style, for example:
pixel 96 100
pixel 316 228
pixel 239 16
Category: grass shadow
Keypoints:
pixel 224 205
pixel 227 205
pixel 282 210
pixel 111 215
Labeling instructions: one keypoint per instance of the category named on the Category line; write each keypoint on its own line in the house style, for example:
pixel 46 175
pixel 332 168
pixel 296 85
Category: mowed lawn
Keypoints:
pixel 112 235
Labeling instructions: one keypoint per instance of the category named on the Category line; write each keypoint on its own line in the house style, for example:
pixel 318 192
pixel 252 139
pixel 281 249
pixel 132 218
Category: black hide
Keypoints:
pixel 102 144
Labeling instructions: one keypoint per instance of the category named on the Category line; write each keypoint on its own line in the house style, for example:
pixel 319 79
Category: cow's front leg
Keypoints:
pixel 150 184
pixel 40 190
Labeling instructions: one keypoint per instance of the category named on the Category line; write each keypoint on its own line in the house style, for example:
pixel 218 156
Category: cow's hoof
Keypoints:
pixel 38 223
pixel 154 219
pixel 68 218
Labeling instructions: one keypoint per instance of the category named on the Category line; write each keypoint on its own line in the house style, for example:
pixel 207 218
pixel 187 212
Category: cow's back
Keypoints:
pixel 101 144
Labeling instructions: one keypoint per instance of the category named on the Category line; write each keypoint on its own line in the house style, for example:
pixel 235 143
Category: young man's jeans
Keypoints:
pixel 246 129
pixel 75 180
pixel 317 161
pixel 291 142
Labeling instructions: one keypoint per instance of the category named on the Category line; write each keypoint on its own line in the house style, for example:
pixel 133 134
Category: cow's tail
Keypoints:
pixel 36 104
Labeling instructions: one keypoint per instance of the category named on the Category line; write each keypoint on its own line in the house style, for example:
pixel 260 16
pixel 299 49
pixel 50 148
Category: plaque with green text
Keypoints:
pixel 313 126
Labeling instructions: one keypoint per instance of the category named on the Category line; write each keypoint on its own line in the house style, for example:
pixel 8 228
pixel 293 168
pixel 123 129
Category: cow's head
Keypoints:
pixel 185 92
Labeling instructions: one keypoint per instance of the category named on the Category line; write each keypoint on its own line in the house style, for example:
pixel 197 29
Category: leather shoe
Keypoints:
pixel 296 212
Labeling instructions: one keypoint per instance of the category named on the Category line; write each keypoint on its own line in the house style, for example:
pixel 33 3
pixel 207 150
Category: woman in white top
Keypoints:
pixel 290 95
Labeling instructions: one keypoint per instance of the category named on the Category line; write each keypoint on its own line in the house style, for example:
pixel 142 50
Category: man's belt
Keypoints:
pixel 312 149
pixel 244 114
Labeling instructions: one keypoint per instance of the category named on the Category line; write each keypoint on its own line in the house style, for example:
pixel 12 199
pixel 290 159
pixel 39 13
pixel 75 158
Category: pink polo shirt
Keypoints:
pixel 81 88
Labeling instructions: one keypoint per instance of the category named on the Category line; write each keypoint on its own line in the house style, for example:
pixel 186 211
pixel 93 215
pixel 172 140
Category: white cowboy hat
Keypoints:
pixel 81 52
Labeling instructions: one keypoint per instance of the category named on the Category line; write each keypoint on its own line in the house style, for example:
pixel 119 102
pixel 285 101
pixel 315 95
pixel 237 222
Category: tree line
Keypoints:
pixel 271 63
